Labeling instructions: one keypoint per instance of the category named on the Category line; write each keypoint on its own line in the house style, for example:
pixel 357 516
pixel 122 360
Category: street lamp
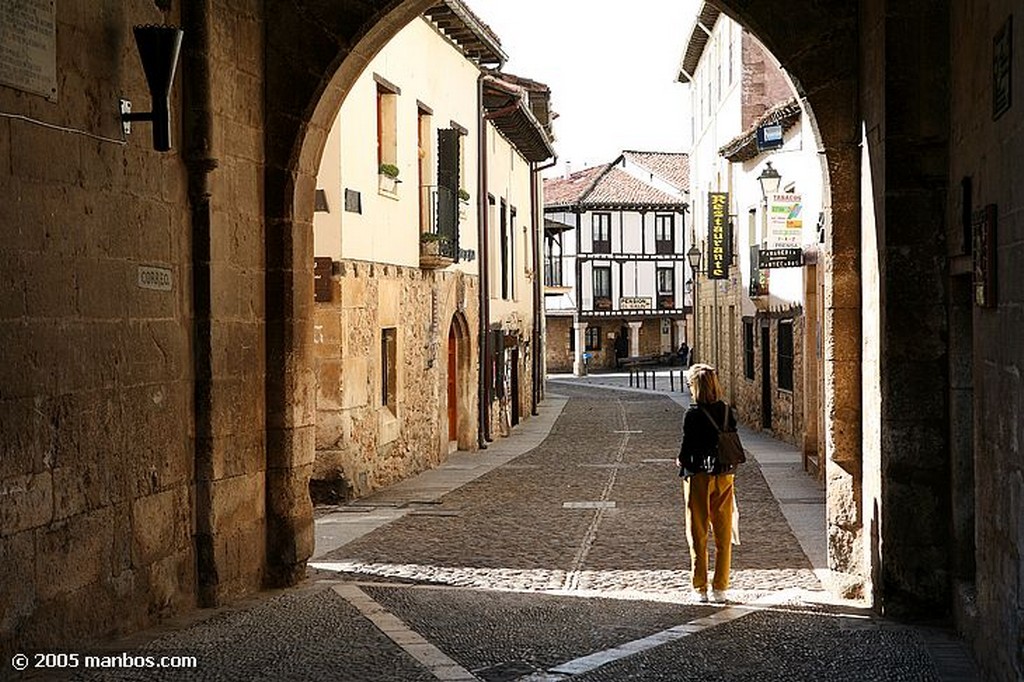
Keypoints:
pixel 770 180
pixel 693 257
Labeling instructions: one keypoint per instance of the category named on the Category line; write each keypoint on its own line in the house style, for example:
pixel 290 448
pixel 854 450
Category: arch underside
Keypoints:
pixel 306 82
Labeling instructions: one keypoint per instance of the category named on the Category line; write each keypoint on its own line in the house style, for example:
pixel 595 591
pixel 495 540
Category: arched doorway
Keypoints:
pixel 460 383
pixel 823 54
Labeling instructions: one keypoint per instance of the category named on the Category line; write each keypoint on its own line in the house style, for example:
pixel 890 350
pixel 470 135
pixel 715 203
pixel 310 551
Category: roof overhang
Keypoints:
pixel 507 107
pixel 744 147
pixel 699 36
pixel 457 23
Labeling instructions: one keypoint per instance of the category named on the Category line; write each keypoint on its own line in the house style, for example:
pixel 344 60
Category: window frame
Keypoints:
pixel 389 368
pixel 601 224
pixel 749 351
pixel 663 244
pixel 785 363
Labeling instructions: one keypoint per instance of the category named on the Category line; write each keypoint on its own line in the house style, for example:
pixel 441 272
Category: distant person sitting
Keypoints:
pixel 684 354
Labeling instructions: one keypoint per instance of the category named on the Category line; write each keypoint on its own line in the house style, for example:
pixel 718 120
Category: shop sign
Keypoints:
pixel 780 258
pixel 719 236
pixel 785 222
pixel 634 303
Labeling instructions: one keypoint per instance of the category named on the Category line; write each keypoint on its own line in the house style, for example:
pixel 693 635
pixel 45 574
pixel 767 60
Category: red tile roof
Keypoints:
pixel 607 186
pixel 672 167
pixel 569 191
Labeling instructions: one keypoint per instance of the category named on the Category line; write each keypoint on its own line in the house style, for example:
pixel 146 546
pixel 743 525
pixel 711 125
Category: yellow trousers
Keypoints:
pixel 709 506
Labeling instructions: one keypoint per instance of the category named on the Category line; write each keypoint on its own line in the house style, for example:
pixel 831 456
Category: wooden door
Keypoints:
pixel 453 395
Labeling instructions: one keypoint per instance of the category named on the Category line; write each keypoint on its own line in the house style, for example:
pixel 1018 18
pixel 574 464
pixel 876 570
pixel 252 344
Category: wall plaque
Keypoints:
pixel 157 279
pixel 1002 58
pixel 28 46
pixel 984 224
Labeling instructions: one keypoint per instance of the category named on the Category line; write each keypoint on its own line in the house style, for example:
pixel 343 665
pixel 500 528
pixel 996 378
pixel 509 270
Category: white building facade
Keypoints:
pixel 615 276
pixel 426 236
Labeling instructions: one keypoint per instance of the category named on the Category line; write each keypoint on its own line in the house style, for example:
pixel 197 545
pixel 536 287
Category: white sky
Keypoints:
pixel 611 67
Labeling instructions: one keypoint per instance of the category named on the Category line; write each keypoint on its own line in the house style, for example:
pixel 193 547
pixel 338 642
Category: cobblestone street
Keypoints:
pixel 557 553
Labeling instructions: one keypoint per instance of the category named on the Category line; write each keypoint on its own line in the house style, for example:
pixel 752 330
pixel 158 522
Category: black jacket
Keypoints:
pixel 698 452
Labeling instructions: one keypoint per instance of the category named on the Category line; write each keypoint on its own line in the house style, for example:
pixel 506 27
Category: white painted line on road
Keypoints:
pixel 627 431
pixel 430 657
pixel 590 662
pixel 592 504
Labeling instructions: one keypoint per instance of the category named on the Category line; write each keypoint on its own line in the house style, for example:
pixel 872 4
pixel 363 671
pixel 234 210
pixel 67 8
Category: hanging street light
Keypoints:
pixel 770 180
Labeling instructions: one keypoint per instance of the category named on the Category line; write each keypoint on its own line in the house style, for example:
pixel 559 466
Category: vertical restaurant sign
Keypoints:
pixel 785 222
pixel 719 237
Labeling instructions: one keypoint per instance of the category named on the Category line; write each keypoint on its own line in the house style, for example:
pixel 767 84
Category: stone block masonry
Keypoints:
pixel 363 445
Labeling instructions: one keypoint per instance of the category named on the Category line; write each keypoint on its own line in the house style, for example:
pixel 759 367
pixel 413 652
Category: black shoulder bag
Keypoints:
pixel 730 450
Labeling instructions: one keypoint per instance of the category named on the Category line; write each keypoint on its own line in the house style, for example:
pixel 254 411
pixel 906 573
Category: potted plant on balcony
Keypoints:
pixel 387 177
pixel 463 203
pixel 430 251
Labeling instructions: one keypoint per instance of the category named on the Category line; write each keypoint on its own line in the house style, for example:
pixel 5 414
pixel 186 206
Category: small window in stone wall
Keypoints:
pixel 389 368
pixel 785 355
pixel 748 349
pixel 593 338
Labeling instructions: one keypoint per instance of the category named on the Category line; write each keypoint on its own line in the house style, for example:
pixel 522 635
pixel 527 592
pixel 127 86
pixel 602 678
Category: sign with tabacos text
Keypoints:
pixel 785 221
pixel 719 237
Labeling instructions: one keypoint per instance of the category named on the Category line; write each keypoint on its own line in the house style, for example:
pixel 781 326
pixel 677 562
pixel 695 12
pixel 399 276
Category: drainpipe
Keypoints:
pixel 199 163
pixel 484 430
pixel 537 213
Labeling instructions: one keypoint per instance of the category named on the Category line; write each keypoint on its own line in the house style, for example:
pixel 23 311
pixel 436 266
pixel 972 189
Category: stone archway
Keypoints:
pixel 306 84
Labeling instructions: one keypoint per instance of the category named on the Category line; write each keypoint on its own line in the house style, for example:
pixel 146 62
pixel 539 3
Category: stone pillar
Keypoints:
pixel 681 333
pixel 634 338
pixel 579 368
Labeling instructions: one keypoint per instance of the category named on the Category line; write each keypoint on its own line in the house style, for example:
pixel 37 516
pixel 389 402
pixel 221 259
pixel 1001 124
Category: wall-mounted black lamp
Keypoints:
pixel 770 180
pixel 158 49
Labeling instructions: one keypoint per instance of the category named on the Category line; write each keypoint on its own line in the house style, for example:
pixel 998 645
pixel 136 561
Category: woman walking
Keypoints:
pixel 707 483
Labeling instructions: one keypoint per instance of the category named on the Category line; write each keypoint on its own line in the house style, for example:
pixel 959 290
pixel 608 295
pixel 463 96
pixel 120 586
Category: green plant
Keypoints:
pixel 388 169
pixel 431 237
pixel 463 194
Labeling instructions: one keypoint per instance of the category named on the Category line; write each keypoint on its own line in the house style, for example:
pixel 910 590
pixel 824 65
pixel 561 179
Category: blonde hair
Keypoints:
pixel 704 386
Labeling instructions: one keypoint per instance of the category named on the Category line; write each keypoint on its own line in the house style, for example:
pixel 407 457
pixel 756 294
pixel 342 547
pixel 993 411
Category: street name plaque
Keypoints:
pixel 28 46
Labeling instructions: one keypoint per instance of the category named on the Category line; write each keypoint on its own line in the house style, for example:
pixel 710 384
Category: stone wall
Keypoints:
pixel 558 356
pixel 986 360
pixel 360 445
pixel 96 377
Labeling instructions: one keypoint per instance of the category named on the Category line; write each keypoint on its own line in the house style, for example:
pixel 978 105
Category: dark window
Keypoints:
pixel 785 355
pixel 593 338
pixel 602 225
pixel 389 368
pixel 447 202
pixel 748 349
pixel 602 288
pixel 553 260
pixel 506 266
pixel 666 288
pixel 664 233
pixel 572 338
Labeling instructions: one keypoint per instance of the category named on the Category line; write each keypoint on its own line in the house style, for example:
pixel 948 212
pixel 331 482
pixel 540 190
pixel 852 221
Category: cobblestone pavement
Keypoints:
pixel 568 561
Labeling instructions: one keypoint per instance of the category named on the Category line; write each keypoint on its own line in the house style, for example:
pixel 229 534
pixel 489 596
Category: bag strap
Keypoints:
pixel 707 414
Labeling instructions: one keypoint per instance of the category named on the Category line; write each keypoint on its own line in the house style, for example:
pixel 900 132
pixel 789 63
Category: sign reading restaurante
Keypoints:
pixel 719 239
